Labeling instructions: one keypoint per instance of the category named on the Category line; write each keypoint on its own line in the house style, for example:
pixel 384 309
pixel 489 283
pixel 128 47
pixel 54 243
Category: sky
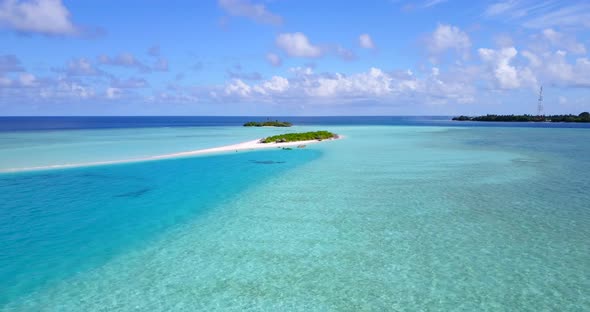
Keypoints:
pixel 293 57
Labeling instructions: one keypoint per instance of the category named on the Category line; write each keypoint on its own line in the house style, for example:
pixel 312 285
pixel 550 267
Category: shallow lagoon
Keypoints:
pixel 389 218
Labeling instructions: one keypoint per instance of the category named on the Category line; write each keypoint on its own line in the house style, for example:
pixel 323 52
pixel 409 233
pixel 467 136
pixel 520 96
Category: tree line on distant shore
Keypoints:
pixel 582 117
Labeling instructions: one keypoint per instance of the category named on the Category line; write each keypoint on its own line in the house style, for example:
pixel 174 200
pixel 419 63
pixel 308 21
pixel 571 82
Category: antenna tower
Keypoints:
pixel 540 112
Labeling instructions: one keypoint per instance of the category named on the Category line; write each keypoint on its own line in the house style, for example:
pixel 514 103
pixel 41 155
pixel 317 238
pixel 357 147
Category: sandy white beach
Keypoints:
pixel 244 146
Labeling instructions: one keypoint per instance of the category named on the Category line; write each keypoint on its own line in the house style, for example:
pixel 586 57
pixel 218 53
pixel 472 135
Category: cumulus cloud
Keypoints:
pixel 275 85
pixel 70 89
pixel 31 88
pixel 365 41
pixel 47 17
pixel 448 37
pixel 374 84
pixel 555 68
pixel 255 12
pixel 274 59
pixel 507 76
pixel 238 87
pixel 297 45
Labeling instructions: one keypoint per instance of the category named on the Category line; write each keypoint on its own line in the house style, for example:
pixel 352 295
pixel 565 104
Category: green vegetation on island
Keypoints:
pixel 583 117
pixel 304 136
pixel 268 123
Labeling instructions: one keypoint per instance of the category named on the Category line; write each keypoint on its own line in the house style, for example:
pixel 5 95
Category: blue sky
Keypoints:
pixel 293 57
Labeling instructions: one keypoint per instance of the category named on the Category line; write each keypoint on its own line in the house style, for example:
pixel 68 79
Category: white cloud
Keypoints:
pixel 365 41
pixel 542 14
pixel 506 75
pixel 373 85
pixel 534 60
pixel 255 12
pixel 301 71
pixel 239 88
pixel 297 45
pixel 432 3
pixel 112 93
pixel 67 88
pixel 274 59
pixel 569 15
pixel 554 68
pixel 275 85
pixel 562 41
pixel 448 37
pixel 504 7
pixel 48 17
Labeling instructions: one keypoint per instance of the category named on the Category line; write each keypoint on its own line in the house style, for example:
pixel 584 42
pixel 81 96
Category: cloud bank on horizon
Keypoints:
pixel 285 57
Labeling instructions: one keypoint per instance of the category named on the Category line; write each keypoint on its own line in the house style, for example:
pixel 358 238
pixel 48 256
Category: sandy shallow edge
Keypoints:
pixel 244 146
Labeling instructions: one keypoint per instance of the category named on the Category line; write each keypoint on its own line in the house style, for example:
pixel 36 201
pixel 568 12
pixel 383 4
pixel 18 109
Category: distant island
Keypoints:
pixel 303 136
pixel 269 123
pixel 583 117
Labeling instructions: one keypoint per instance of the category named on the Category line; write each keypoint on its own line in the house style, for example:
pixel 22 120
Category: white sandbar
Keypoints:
pixel 244 146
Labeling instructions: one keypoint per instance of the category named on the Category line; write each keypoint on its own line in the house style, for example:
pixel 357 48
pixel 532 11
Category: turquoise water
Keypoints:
pixel 392 218
pixel 47 148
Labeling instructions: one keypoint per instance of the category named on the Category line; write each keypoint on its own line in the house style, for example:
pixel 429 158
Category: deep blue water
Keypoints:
pixel 64 123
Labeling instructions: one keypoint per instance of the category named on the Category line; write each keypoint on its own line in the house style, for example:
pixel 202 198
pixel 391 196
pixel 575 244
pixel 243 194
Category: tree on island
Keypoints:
pixel 304 136
pixel 275 123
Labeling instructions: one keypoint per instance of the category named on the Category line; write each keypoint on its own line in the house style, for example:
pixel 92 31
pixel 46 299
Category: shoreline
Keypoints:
pixel 243 146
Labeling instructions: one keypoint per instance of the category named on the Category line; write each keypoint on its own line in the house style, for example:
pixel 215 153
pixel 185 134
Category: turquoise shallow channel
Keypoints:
pixel 389 218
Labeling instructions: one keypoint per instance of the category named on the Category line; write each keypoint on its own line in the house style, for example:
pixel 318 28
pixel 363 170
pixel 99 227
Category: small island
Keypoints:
pixel 268 123
pixel 303 136
pixel 583 117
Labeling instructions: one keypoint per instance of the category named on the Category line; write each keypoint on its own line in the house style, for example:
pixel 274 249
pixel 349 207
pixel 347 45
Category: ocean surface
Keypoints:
pixel 402 214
